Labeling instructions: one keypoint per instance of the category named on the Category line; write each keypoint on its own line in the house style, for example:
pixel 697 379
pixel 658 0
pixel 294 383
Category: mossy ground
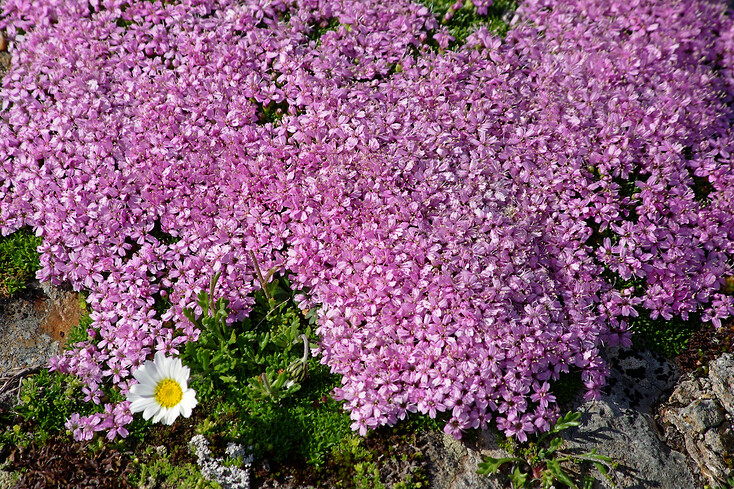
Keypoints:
pixel 18 260
pixel 466 20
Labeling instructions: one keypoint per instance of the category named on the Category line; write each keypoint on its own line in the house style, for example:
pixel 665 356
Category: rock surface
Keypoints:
pixel 698 418
pixel 621 425
pixel 34 326
pixel 453 465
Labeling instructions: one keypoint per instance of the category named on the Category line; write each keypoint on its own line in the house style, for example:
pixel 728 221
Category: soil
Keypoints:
pixel 707 344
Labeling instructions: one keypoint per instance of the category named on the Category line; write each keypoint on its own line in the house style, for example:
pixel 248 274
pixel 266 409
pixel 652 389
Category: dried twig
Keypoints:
pixel 13 381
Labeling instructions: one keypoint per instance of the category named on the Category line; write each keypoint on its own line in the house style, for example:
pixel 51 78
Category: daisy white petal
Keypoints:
pixel 150 410
pixel 171 416
pixel 162 391
pixel 144 390
pixel 160 415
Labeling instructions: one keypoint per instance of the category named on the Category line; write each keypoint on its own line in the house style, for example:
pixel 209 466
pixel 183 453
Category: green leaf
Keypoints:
pixel 568 421
pixel 232 338
pixel 554 445
pixel 555 468
pixel 204 357
pixel 592 455
pixel 263 341
pixel 519 478
pixel 492 465
pixel 601 468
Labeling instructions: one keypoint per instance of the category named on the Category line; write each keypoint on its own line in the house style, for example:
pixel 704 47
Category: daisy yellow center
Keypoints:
pixel 168 393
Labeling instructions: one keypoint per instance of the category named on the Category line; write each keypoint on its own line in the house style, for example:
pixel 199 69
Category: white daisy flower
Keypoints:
pixel 161 391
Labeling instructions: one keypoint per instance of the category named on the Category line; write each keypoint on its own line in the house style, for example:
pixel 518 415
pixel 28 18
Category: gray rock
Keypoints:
pixel 718 441
pixel 701 415
pixel 453 465
pixel 638 379
pixel 26 345
pixel 630 439
pixel 721 375
pixel 621 425
pixel 687 391
pixel 35 324
pixel 695 418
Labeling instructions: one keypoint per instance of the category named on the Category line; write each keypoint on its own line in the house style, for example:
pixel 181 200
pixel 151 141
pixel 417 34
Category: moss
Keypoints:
pixel 668 337
pixel 466 20
pixel 155 468
pixel 48 399
pixel 18 260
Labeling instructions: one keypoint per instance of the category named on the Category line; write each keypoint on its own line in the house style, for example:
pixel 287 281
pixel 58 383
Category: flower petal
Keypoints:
pixel 143 389
pixel 172 414
pixel 182 377
pixel 160 414
pixel 152 409
pixel 143 404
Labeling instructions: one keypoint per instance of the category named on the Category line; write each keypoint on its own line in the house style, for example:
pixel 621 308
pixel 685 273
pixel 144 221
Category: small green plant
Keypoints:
pixel 305 427
pixel 154 468
pixel 466 19
pixel 540 464
pixel 48 399
pixel 257 353
pixel 668 337
pixel 250 371
pixel 352 455
pixel 18 260
pixel 275 384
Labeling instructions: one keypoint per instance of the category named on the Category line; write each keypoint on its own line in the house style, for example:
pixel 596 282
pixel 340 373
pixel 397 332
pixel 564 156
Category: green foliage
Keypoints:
pixel 47 401
pixel 359 466
pixel 668 337
pixel 359 462
pixel 304 427
pixel 13 435
pixel 539 463
pixel 256 357
pixel 352 453
pixel 322 28
pixel 80 332
pixel 18 260
pixel 466 20
pixel 270 113
pixel 155 469
pixel 251 370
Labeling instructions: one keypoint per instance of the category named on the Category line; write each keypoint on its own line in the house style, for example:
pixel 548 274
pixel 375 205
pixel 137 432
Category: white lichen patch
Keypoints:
pixel 213 468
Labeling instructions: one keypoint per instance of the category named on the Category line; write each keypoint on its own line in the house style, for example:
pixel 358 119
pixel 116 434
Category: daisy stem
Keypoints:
pixel 260 276
pixel 212 283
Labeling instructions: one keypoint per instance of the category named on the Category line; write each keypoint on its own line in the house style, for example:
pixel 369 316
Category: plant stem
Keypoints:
pixel 260 276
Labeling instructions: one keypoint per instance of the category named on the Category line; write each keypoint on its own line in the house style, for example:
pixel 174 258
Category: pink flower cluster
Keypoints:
pixel 461 219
